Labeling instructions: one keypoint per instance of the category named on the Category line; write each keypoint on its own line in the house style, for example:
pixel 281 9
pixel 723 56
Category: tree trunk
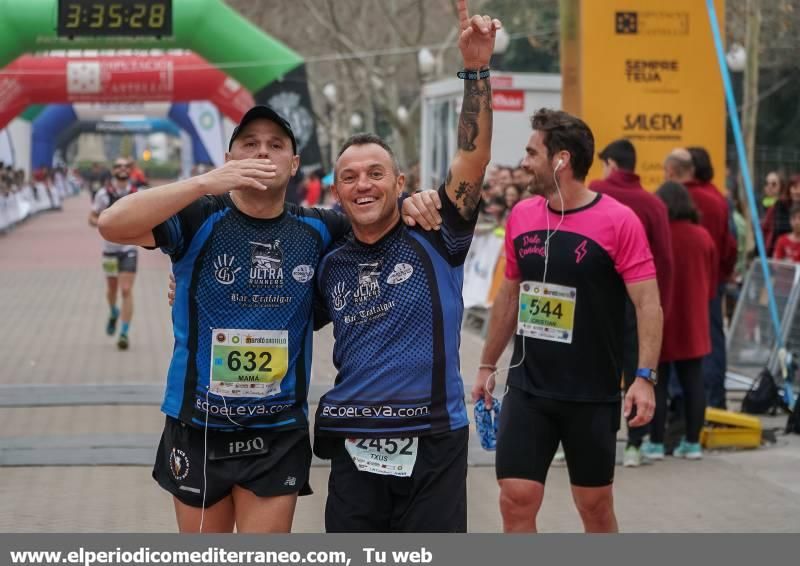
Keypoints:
pixel 750 96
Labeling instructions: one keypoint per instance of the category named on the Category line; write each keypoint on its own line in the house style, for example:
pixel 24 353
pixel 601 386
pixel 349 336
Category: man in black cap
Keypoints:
pixel 235 448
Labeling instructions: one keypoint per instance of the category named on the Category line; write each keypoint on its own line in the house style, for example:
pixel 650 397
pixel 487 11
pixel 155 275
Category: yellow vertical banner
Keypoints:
pixel 645 71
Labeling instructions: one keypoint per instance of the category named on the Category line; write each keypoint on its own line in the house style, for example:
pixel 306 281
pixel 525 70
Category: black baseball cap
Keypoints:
pixel 266 113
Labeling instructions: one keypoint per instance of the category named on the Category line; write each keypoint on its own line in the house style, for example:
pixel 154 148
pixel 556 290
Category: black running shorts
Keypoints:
pixel 264 462
pixel 433 499
pixel 532 426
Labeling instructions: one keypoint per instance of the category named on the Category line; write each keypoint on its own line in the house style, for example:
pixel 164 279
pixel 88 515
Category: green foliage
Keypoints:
pixel 779 114
pixel 533 26
pixel 160 170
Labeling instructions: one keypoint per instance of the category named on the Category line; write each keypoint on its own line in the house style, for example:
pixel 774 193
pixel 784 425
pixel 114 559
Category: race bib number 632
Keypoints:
pixel 248 363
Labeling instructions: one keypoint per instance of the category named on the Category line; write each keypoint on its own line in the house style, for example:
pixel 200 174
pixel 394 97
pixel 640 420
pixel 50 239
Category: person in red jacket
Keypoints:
pixel 694 170
pixel 788 245
pixel 313 185
pixel 622 183
pixel 776 222
pixel 687 336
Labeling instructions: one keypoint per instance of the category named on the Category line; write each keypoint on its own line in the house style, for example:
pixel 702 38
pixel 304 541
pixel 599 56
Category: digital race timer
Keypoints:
pixel 114 17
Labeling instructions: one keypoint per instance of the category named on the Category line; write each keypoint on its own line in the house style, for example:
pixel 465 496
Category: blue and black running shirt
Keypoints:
pixel 243 312
pixel 396 308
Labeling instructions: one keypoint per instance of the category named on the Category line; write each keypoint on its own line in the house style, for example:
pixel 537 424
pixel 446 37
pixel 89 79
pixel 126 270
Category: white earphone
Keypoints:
pixel 558 165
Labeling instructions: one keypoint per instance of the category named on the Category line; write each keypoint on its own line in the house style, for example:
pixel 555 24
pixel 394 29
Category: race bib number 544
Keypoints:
pixel 248 363
pixel 546 311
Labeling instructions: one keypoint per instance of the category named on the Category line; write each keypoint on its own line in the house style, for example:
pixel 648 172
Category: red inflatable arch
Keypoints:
pixel 46 79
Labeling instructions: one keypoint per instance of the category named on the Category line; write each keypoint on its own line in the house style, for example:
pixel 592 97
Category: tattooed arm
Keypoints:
pixel 468 167
pixel 464 180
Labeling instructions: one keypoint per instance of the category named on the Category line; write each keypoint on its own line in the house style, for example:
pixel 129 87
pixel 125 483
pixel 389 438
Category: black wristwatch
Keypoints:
pixel 648 375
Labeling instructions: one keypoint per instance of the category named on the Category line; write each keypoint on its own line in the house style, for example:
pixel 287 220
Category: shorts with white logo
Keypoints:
pixel 433 499
pixel 264 462
pixel 532 426
pixel 126 261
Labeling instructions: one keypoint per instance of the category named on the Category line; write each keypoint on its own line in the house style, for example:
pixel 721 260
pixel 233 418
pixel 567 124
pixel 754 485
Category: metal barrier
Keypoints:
pixel 751 343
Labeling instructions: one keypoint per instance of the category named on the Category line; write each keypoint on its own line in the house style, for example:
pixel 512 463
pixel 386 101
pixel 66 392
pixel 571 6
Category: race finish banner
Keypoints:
pixel 645 71
pixel 392 549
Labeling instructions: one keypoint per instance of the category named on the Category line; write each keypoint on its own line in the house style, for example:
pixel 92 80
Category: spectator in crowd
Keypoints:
pixel 504 178
pixel 772 189
pixel 497 210
pixel 313 188
pixel 686 323
pixel 522 179
pixel 621 182
pixel 692 167
pixel 776 222
pixel 512 195
pixel 731 181
pixel 788 245
pixel 137 177
pixel 5 180
pixel 734 286
pixel 486 200
pixel 97 178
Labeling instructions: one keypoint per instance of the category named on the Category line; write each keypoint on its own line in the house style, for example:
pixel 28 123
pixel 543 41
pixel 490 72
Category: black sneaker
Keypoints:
pixel 122 343
pixel 111 326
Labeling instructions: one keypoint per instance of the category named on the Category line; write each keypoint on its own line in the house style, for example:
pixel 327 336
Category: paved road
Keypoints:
pixel 54 350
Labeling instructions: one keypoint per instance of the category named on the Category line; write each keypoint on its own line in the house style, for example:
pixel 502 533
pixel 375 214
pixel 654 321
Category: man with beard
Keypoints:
pixel 119 260
pixel 572 258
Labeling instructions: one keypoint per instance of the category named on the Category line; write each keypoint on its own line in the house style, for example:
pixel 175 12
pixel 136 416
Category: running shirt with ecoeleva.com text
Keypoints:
pixel 396 309
pixel 243 312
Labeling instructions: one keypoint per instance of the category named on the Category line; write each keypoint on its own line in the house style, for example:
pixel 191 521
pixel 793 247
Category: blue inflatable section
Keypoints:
pixel 57 125
pixel 45 129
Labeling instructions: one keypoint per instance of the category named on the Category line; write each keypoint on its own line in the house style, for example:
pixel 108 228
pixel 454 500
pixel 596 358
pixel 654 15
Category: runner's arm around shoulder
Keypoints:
pixel 131 219
pixel 465 178
pixel 649 319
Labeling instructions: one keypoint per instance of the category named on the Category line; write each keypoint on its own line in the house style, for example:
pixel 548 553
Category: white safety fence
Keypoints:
pixel 33 199
pixel 751 340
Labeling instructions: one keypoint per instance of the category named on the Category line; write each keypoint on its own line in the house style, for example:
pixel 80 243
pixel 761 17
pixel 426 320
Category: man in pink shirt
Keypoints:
pixel 573 256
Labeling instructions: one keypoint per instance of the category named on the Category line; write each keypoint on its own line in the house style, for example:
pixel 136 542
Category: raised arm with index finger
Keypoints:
pixel 465 177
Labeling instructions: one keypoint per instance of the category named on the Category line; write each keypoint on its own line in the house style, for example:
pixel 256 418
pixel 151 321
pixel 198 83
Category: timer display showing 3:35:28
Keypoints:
pixel 102 15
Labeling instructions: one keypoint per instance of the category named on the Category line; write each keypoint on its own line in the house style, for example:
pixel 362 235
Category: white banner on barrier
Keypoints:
pixel 16 207
pixel 6 148
pixel 479 269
